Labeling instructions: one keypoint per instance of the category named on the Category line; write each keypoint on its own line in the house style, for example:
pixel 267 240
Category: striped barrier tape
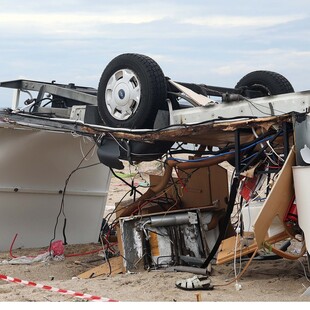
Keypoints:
pixel 54 289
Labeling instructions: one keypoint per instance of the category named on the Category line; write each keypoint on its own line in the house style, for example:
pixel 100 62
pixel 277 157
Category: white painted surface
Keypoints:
pixel 34 166
pixel 301 176
pixel 251 212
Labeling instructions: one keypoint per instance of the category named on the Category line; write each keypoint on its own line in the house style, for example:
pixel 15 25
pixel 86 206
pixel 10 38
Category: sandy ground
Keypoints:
pixel 278 280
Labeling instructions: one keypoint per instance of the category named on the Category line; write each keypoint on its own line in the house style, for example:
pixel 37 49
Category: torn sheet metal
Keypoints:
pixel 215 133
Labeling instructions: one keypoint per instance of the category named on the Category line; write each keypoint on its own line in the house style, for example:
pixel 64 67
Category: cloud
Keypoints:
pixel 61 25
pixel 214 42
pixel 225 21
pixel 59 20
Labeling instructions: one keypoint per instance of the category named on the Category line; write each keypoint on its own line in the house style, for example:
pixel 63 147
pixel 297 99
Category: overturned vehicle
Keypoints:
pixel 138 114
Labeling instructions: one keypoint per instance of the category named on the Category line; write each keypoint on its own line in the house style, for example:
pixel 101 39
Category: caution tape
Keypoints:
pixel 57 290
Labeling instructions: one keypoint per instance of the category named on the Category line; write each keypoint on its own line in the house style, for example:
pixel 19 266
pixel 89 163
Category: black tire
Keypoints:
pixel 148 80
pixel 267 82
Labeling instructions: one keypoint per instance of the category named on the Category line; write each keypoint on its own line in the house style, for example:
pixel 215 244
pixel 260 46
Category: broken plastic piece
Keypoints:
pixel 305 154
pixel 57 247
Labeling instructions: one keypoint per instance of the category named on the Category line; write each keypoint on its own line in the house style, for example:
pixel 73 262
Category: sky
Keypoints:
pixel 199 41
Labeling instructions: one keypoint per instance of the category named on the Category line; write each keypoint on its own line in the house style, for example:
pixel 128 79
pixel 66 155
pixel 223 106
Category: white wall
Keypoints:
pixel 34 165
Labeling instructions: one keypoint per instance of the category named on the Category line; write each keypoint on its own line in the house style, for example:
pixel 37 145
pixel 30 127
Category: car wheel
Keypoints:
pixel 265 82
pixel 131 90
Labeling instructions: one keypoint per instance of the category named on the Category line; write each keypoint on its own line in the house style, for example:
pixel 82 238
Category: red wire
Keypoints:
pixel 85 253
pixel 67 255
pixel 180 180
pixel 12 246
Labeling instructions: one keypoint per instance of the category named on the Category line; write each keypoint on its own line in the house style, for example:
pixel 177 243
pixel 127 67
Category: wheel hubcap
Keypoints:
pixel 123 94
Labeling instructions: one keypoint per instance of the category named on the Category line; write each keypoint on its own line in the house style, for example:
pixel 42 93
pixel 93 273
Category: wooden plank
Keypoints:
pixel 230 248
pixel 116 268
pixel 154 244
pixel 120 245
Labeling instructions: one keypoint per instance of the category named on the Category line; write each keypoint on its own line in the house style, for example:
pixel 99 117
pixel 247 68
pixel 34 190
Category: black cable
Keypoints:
pixel 61 210
pixel 230 206
pixel 255 106
pixel 64 231
pixel 37 102
pixel 107 259
pixel 114 211
pixel 157 233
pixel 130 185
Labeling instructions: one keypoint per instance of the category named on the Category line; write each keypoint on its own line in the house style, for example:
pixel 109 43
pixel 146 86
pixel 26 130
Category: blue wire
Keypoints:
pixel 221 154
